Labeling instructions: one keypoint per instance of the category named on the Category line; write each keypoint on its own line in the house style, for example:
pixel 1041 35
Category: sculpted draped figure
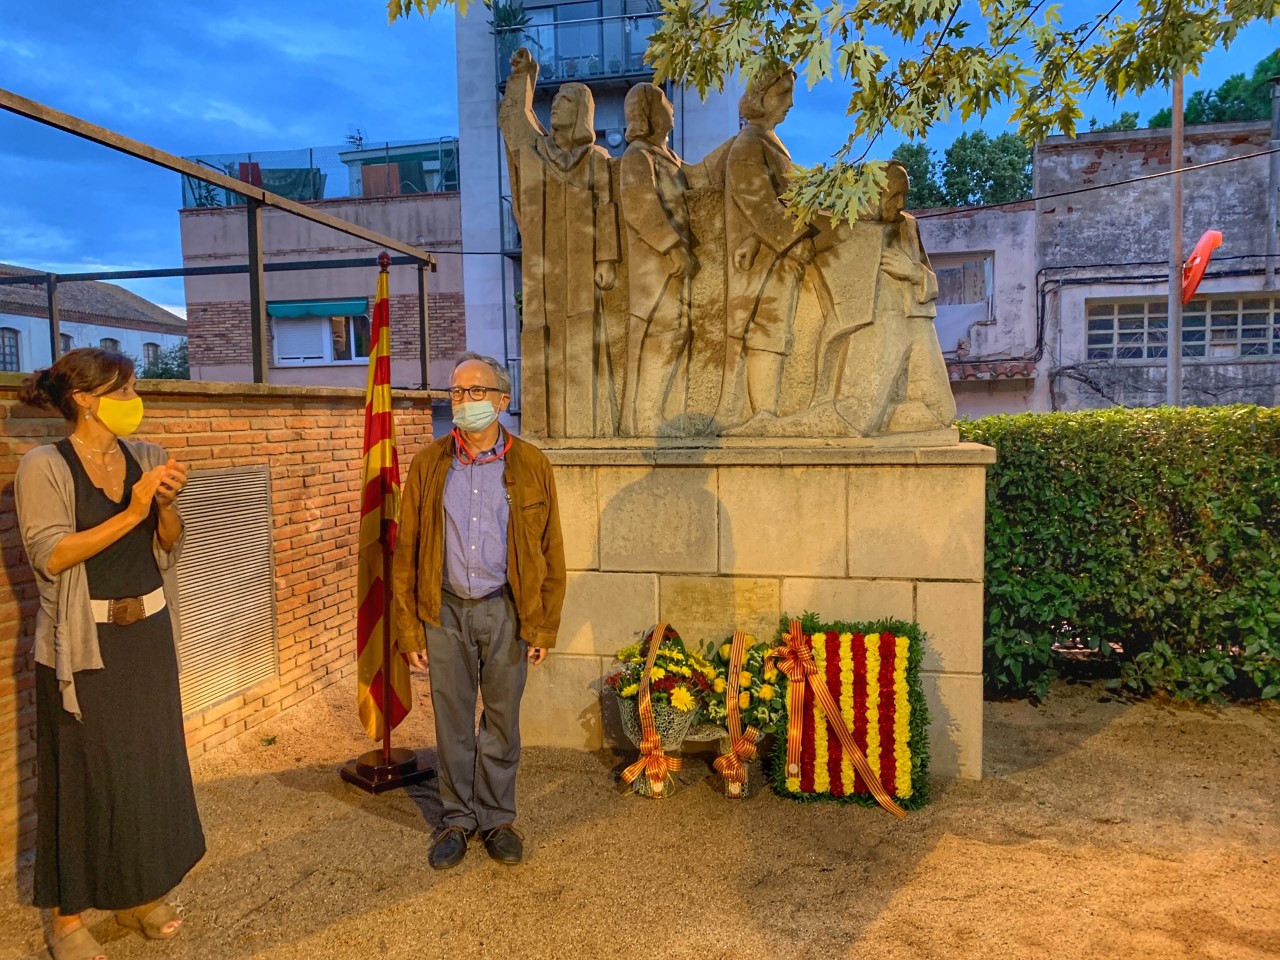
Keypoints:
pixel 766 255
pixel 659 263
pixel 738 321
pixel 563 203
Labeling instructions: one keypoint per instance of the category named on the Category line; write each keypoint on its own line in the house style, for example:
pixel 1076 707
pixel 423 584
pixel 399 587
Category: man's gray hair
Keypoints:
pixel 499 371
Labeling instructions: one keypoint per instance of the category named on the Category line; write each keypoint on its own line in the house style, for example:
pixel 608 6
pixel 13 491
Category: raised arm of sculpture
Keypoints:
pixel 520 126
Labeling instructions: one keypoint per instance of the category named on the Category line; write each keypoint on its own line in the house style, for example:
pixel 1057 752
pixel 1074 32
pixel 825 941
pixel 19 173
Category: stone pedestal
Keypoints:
pixel 712 540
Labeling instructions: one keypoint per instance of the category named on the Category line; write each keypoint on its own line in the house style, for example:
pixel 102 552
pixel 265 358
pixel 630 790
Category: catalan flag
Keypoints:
pixel 379 510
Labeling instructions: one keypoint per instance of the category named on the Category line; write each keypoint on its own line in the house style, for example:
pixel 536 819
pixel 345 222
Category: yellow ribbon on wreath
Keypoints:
pixel 655 764
pixel 732 765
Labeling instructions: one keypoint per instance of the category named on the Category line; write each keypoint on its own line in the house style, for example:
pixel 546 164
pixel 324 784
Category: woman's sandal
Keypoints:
pixel 79 944
pixel 150 920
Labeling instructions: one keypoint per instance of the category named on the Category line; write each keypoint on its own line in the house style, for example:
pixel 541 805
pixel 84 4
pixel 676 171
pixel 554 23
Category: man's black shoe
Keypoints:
pixel 504 844
pixel 449 847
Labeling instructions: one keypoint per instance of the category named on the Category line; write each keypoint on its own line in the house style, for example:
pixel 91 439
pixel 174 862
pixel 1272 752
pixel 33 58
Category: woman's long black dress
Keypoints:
pixel 118 824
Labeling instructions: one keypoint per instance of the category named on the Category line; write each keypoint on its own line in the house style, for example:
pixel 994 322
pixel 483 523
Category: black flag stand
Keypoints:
pixel 391 767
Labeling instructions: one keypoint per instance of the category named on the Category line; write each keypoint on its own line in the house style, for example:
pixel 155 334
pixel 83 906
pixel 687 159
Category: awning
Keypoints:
pixel 318 308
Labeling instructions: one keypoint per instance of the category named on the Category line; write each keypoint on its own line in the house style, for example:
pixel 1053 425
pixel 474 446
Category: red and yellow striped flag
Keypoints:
pixel 379 510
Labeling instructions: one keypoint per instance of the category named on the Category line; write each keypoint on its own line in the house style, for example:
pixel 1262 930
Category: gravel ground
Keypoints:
pixel 1102 830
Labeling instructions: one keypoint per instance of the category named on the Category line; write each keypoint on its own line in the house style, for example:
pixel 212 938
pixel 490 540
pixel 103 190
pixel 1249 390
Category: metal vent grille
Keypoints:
pixel 226 587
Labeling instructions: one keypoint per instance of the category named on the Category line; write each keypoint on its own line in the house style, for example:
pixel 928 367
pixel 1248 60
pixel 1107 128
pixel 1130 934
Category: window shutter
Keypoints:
pixel 300 340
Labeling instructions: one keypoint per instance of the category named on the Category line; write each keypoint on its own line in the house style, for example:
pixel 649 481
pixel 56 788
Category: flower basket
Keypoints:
pixel 658 675
pixel 672 725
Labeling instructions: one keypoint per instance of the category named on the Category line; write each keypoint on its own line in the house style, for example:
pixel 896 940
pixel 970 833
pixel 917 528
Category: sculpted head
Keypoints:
pixel 769 97
pixel 894 198
pixel 573 116
pixel 649 114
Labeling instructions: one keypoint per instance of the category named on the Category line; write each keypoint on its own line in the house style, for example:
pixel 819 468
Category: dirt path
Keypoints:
pixel 1101 830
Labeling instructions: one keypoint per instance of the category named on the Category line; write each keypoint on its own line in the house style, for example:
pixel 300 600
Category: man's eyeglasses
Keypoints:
pixel 475 393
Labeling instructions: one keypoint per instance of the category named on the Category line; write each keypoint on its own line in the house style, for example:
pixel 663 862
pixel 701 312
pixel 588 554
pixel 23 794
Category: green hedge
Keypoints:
pixel 1151 534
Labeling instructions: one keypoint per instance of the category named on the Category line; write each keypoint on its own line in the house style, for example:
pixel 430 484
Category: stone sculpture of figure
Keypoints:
pixel 659 265
pixel 767 253
pixel 563 202
pixel 922 397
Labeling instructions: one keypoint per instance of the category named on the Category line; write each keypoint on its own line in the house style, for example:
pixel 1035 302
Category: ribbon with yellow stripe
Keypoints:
pixel 653 763
pixel 742 744
pixel 795 659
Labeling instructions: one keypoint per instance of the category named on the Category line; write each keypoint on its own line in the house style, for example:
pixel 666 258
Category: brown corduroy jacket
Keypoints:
pixel 535 550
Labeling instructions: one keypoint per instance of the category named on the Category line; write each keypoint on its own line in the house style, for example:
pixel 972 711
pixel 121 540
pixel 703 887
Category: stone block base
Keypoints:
pixel 717 540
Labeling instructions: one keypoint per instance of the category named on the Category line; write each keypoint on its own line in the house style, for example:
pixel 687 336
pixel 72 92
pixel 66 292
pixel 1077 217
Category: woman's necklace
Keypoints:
pixel 102 465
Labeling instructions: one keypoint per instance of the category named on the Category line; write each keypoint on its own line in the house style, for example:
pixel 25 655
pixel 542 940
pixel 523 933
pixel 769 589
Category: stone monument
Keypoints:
pixel 747 416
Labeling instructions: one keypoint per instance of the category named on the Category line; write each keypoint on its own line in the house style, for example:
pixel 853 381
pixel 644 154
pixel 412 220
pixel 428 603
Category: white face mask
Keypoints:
pixel 474 415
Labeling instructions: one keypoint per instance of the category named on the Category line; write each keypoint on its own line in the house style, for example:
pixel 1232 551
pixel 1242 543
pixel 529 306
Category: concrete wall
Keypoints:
pixel 1113 244
pixel 714 541
pixel 312 439
pixel 217 307
pixel 1008 236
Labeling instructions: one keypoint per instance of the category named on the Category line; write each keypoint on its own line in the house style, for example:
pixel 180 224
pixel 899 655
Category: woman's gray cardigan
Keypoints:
pixel 66 634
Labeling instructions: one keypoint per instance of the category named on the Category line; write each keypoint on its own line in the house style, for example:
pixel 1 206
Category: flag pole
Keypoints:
pixel 385 769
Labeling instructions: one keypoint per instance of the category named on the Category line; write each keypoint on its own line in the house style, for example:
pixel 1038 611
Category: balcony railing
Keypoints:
pixel 597 48
pixel 356 169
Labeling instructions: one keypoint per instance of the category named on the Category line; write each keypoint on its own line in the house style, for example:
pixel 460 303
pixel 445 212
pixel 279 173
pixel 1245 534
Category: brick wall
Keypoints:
pixel 311 438
pixel 218 332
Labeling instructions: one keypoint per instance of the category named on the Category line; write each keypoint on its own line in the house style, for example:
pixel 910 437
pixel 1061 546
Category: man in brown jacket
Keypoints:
pixel 478 581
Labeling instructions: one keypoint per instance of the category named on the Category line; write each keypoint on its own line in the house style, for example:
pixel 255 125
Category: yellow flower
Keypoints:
pixel 719 685
pixel 771 674
pixel 725 650
pixel 658 673
pixel 683 671
pixel 630 689
pixel 744 699
pixel 675 654
pixel 708 671
pixel 682 699
pixel 766 692
pixel 744 679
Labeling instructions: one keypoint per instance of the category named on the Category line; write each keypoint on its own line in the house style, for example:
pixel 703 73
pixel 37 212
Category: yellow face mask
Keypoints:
pixel 121 417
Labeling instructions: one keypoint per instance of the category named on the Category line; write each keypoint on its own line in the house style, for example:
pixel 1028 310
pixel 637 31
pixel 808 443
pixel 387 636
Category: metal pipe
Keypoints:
pixel 424 333
pixel 1174 348
pixel 109 138
pixel 55 333
pixel 1273 191
pixel 258 332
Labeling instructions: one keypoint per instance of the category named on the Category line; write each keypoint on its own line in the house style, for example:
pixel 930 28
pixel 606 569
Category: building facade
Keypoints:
pixel 90 314
pixel 1062 303
pixel 320 317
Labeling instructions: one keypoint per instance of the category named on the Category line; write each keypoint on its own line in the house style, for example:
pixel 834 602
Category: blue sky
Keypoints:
pixel 196 78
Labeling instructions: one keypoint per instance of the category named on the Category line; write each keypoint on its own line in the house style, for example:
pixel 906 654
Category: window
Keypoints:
pixel 150 353
pixel 64 342
pixel 110 343
pixel 965 285
pixel 1212 328
pixel 10 361
pixel 320 332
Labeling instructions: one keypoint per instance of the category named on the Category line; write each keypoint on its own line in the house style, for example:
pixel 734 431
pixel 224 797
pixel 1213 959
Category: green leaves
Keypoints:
pixel 1113 530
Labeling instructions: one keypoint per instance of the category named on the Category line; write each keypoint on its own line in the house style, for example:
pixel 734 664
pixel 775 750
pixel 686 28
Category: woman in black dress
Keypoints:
pixel 118 825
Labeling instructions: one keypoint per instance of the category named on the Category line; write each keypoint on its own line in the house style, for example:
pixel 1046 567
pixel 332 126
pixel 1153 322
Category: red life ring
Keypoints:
pixel 1193 269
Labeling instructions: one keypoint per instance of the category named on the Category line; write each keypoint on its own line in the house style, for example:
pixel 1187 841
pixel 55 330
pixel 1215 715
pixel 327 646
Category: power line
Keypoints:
pixel 1103 186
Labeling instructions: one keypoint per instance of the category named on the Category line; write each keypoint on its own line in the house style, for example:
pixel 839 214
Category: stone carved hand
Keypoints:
pixel 899 266
pixel 745 255
pixel 522 62
pixel 606 275
pixel 681 261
